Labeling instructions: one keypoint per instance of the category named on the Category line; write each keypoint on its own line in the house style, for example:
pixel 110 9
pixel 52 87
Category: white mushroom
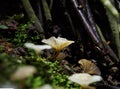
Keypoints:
pixel 46 86
pixel 84 79
pixel 23 72
pixel 37 48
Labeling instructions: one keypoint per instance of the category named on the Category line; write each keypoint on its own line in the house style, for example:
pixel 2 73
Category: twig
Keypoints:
pixel 114 20
pixel 115 27
pixel 69 19
pixel 108 5
pixel 40 11
pixel 31 15
pixel 46 11
pixel 51 4
pixel 91 20
pixel 107 46
pixel 91 32
pixel 70 23
pixel 117 4
pixel 98 33
pixel 85 22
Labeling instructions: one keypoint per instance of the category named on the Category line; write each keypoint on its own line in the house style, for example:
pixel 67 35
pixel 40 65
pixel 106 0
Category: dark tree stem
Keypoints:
pixel 91 29
pixel 32 16
pixel 85 22
pixel 94 27
pixel 46 11
pixel 117 4
pixel 40 11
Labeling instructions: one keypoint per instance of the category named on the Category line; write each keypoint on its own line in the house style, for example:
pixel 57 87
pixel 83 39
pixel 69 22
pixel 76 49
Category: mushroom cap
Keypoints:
pixel 37 48
pixel 89 67
pixel 57 43
pixel 84 79
pixel 23 72
pixel 46 86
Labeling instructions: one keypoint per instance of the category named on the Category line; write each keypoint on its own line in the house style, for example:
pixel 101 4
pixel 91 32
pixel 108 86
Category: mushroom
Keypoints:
pixel 46 86
pixel 57 43
pixel 37 48
pixel 84 79
pixel 89 67
pixel 22 73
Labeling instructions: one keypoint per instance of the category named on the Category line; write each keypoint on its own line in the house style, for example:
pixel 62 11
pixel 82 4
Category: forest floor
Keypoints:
pixel 83 56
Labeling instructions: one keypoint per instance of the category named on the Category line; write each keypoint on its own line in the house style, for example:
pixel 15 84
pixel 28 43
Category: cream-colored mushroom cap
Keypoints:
pixel 37 48
pixel 23 72
pixel 57 43
pixel 84 79
pixel 46 86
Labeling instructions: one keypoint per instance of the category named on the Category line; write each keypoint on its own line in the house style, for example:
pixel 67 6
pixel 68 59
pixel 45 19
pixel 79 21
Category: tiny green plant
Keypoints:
pixel 21 35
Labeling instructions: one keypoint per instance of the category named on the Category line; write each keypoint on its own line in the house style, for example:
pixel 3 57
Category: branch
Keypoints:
pixel 98 32
pixel 109 6
pixel 40 11
pixel 105 50
pixel 115 27
pixel 31 15
pixel 46 10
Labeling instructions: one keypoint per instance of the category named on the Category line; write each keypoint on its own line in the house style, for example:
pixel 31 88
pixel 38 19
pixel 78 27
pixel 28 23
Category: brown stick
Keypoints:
pixel 31 15
pixel 92 33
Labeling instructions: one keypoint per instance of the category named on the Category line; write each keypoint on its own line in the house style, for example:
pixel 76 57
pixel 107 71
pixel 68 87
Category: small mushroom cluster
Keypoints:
pixel 57 44
pixel 84 79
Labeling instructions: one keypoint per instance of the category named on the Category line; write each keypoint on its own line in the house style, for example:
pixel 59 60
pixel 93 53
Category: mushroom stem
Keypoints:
pixel 88 87
pixel 55 55
pixel 22 84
